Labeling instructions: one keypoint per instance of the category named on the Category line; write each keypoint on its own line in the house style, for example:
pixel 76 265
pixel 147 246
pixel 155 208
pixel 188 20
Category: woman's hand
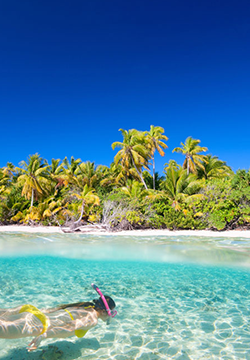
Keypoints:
pixel 33 345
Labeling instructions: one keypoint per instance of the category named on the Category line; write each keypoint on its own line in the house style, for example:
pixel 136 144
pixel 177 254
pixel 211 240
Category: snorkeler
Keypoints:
pixel 60 322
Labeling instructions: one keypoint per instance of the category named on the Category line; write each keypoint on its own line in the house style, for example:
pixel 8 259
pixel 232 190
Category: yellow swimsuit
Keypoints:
pixel 78 333
pixel 33 310
pixel 44 320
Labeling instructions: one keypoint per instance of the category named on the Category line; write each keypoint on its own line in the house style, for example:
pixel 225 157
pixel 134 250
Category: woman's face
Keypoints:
pixel 104 316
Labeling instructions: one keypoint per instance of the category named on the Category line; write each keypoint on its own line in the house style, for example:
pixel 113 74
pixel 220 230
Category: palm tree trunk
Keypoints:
pixel 153 157
pixel 82 211
pixel 32 198
pixel 140 175
pixel 188 165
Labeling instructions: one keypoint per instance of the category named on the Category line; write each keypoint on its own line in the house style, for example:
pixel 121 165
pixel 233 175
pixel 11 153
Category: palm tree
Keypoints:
pixel 192 151
pixel 180 187
pixel 133 154
pixel 4 178
pixel 69 169
pixel 9 170
pixel 148 178
pixel 7 178
pixel 155 138
pixel 88 197
pixel 214 168
pixel 133 190
pixel 56 168
pixel 56 172
pixel 113 176
pixel 88 173
pixel 34 177
pixel 171 164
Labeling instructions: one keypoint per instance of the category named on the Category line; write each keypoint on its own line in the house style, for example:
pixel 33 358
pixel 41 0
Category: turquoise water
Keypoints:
pixel 177 297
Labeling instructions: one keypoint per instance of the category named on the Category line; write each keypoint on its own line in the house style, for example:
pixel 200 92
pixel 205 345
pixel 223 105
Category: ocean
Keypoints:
pixel 177 297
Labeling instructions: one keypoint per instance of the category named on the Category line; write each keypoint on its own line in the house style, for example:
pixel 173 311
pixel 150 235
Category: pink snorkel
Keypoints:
pixel 111 313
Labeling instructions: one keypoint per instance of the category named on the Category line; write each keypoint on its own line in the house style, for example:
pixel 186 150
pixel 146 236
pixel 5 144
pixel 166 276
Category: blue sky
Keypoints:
pixel 74 72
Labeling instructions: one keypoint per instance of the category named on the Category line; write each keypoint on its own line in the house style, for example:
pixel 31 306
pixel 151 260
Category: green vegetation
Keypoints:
pixel 203 193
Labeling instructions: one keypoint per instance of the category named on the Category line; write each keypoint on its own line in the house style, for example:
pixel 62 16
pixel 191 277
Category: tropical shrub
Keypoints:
pixel 182 220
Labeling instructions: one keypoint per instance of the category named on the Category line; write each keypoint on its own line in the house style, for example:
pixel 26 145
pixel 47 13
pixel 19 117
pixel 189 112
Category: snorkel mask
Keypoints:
pixel 111 313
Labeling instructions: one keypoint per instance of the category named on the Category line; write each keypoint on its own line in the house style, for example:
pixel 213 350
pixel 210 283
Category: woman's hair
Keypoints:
pixel 100 305
pixel 96 304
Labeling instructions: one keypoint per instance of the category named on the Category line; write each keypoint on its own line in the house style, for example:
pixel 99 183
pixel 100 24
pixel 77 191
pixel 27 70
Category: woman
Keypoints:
pixel 60 322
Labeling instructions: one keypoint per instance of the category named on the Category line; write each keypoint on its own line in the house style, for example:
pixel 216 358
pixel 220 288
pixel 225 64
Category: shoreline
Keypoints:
pixel 152 232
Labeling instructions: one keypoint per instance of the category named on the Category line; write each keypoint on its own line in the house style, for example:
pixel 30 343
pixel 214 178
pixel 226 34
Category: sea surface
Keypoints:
pixel 177 297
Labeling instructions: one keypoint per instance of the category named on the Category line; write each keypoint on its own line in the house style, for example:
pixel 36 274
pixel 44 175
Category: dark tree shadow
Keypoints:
pixel 59 350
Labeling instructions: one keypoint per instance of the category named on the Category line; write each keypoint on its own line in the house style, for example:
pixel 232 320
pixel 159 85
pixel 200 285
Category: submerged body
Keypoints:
pixel 61 322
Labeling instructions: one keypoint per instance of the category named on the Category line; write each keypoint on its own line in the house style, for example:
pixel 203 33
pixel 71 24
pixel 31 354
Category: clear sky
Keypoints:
pixel 73 72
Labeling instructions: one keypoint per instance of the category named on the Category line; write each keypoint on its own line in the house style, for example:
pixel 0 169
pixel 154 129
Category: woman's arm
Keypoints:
pixel 13 311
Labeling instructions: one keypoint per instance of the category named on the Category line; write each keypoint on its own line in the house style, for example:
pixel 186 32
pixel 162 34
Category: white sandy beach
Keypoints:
pixel 152 232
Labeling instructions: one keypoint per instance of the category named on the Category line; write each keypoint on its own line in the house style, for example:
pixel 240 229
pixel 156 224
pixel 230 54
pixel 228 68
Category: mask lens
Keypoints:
pixel 113 313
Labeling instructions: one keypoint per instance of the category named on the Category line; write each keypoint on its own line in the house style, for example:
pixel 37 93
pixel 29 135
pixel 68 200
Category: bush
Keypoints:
pixel 184 219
